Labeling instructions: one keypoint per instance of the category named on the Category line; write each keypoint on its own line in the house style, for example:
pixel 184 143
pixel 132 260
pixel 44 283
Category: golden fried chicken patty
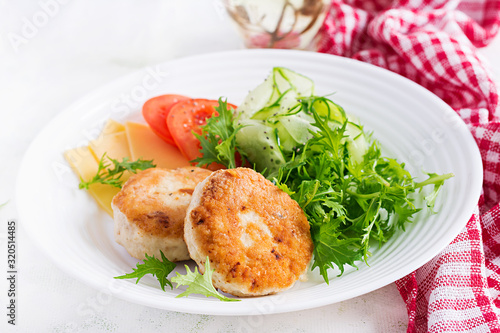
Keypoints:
pixel 256 237
pixel 149 211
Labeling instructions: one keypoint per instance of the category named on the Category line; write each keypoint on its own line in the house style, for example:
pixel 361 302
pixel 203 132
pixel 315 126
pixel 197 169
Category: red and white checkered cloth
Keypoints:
pixel 434 44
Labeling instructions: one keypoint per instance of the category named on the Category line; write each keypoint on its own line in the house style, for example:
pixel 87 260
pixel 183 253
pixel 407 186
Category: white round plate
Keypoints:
pixel 412 125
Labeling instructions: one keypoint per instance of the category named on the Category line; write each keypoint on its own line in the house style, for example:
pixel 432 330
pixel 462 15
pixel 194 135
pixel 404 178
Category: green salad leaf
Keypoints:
pixel 151 265
pixel 218 138
pixel 199 283
pixel 438 181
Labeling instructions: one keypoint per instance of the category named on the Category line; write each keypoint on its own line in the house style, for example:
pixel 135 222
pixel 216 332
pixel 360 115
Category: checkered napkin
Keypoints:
pixel 434 43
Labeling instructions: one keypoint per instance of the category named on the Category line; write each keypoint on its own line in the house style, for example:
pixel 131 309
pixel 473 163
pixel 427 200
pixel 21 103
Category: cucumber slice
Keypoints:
pixel 256 99
pixel 260 143
pixel 304 86
pixel 266 113
pixel 289 102
pixel 357 144
pixel 327 108
pixel 280 82
pixel 275 124
pixel 285 104
pixel 286 141
pixel 298 126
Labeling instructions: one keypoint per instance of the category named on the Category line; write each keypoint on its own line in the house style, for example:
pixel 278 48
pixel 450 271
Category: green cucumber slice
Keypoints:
pixel 261 145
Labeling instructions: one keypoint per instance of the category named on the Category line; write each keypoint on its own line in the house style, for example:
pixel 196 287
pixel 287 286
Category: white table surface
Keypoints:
pixel 75 47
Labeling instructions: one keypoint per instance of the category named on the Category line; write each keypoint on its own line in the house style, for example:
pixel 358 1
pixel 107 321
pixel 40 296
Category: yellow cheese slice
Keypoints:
pixel 146 145
pixel 112 126
pixel 104 194
pixel 84 164
pixel 115 145
pixel 82 161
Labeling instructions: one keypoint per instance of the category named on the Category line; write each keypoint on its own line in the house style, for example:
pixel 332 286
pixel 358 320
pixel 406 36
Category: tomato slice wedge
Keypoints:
pixel 155 112
pixel 187 117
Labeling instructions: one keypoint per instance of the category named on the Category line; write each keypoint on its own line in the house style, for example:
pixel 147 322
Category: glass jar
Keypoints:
pixel 291 24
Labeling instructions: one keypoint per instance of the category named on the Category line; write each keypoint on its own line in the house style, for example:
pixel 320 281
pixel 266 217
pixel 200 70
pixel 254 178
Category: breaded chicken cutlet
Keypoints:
pixel 256 237
pixel 149 211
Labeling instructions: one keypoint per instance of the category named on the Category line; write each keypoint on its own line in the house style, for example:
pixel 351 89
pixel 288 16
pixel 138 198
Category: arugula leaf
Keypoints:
pixel 331 247
pixel 218 139
pixel 437 181
pixel 151 265
pixel 112 176
pixel 199 283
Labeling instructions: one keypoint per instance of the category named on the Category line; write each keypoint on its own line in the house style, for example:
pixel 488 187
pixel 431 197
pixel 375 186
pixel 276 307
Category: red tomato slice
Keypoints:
pixel 155 112
pixel 187 117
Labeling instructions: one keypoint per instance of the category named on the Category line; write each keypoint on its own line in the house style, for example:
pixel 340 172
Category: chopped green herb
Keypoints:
pixel 112 176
